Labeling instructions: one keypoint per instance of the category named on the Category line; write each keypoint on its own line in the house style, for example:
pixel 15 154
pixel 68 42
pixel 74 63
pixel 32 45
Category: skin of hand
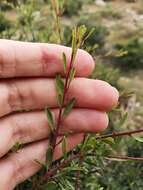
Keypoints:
pixel 27 72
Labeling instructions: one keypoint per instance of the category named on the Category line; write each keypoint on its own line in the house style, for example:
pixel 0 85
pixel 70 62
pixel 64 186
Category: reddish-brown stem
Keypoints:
pixel 118 134
pixel 54 170
pixel 56 131
pixel 124 158
pixel 77 183
pixel 61 166
pixel 66 87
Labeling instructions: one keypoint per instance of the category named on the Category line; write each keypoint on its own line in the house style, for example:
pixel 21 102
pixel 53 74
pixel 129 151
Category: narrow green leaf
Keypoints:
pixel 72 74
pixel 69 107
pixel 85 143
pixel 41 163
pixel 109 140
pixel 74 55
pixel 50 185
pixel 95 46
pixel 65 62
pixel 122 121
pixel 64 145
pixel 60 89
pixel 16 147
pixel 74 38
pixel 90 33
pixel 69 185
pixel 81 31
pixel 59 85
pixel 74 43
pixel 138 137
pixel 50 118
pixel 49 155
pixel 58 5
pixel 60 99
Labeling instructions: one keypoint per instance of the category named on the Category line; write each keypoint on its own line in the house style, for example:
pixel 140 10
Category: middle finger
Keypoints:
pixel 39 93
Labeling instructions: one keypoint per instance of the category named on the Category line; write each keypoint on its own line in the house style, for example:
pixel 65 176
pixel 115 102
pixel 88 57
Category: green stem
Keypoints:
pixel 58 23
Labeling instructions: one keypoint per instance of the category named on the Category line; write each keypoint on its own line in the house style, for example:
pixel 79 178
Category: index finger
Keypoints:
pixel 24 59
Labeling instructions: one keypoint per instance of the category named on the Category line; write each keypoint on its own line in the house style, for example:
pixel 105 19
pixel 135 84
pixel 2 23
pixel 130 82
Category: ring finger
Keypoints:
pixel 33 126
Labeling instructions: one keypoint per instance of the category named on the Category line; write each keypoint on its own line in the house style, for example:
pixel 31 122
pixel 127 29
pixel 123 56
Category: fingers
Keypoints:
pixel 20 166
pixel 39 93
pixel 22 59
pixel 33 126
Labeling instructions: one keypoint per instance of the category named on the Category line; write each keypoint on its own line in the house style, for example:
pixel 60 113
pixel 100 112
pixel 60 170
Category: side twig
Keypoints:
pixel 112 158
pixel 118 134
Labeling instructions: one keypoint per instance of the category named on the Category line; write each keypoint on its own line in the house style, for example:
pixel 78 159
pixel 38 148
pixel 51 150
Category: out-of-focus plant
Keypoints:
pixel 134 57
pixel 71 8
pixel 5 24
pixel 110 13
pixel 96 41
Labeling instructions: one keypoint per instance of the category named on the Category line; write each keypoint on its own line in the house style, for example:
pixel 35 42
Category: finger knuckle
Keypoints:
pixel 15 97
pixel 8 61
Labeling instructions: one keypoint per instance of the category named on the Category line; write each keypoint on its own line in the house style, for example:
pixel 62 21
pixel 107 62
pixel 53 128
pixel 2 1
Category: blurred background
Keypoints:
pixel 117 47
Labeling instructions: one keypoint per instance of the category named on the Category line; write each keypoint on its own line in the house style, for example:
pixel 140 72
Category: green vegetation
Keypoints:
pixel 71 8
pixel 134 57
pixel 4 23
pixel 29 21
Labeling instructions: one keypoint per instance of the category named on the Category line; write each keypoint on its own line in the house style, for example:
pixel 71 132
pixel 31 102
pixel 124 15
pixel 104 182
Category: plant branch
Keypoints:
pixel 58 15
pixel 77 182
pixel 79 155
pixel 66 162
pixel 80 162
pixel 124 158
pixel 54 170
pixel 66 87
pixel 118 134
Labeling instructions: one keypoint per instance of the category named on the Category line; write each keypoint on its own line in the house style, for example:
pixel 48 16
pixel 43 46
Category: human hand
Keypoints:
pixel 27 72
